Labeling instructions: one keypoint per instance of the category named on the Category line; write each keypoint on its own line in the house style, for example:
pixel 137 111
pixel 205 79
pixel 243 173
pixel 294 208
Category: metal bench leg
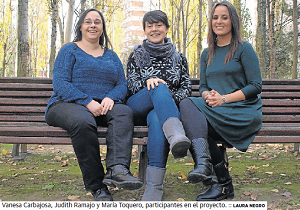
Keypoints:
pixel 15 151
pixel 143 163
pixel 224 153
pixel 296 147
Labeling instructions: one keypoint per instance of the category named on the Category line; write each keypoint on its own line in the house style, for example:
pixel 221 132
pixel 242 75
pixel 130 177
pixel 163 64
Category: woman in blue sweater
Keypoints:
pixel 230 108
pixel 89 86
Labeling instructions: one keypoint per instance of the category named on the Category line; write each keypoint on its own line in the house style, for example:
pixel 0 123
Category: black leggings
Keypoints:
pixel 196 126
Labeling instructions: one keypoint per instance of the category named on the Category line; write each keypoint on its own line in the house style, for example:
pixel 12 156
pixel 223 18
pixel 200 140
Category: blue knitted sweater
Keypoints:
pixel 79 77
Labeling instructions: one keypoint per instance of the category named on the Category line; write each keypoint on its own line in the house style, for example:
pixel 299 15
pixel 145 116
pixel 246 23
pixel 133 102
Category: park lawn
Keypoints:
pixel 270 173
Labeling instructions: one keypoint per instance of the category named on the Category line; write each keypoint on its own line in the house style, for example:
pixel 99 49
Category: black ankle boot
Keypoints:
pixel 203 168
pixel 120 176
pixel 102 194
pixel 222 190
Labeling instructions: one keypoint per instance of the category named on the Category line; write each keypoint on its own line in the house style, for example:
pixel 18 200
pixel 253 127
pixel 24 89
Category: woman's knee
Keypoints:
pixel 123 110
pixel 152 118
pixel 185 103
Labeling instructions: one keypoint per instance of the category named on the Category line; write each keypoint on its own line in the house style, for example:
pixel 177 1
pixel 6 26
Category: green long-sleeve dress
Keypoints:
pixel 236 122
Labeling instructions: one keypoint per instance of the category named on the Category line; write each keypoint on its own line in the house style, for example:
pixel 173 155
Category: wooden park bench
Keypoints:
pixel 23 103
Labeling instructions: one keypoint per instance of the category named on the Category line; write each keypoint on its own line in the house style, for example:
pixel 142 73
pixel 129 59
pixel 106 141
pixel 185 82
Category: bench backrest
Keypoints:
pixel 25 99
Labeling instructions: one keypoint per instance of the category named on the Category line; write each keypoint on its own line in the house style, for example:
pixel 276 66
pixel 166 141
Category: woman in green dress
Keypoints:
pixel 230 107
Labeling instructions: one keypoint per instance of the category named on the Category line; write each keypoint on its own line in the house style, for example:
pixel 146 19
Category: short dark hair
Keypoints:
pixel 103 41
pixel 155 16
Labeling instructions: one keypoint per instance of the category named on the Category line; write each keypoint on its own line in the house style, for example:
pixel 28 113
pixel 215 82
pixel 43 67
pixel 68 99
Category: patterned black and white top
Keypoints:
pixel 178 79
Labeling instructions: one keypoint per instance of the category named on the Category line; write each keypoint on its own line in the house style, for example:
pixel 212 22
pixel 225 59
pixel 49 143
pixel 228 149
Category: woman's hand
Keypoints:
pixel 107 104
pixel 154 82
pixel 213 98
pixel 95 108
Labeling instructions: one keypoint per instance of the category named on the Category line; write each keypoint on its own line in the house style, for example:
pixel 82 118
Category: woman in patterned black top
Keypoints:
pixel 158 80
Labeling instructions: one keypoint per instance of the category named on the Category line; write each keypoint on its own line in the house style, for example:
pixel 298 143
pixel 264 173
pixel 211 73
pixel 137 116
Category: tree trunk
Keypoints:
pixel 61 31
pixel 53 36
pixel 199 44
pixel 184 28
pixel 237 4
pixel 70 21
pixel 209 5
pixel 260 37
pixel 82 6
pixel 271 18
pixel 178 26
pixel 295 42
pixel 23 45
pixel 4 57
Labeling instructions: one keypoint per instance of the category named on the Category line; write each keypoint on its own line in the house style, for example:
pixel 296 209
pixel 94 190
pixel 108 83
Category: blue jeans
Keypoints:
pixel 157 105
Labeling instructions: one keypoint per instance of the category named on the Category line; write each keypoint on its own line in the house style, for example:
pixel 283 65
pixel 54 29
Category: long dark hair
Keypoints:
pixel 103 41
pixel 235 31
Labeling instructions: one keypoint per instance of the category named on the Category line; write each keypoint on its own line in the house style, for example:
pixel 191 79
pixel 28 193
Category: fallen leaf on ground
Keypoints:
pixel 275 190
pixel 89 194
pixel 58 158
pixel 189 164
pixel 252 167
pixel 254 196
pixel 288 183
pixel 296 154
pixel 73 198
pixel 247 193
pixel 65 163
pixel 182 175
pixel 135 174
pixel 267 165
pixel 286 194
pixel 180 199
pixel 40 147
pixel 4 152
pixel 282 174
pixel 270 172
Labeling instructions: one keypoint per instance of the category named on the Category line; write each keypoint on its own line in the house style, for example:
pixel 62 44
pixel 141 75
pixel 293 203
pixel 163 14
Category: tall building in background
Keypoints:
pixel 133 27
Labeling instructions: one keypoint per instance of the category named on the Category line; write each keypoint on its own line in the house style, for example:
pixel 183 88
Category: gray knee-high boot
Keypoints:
pixel 154 187
pixel 174 132
pixel 203 168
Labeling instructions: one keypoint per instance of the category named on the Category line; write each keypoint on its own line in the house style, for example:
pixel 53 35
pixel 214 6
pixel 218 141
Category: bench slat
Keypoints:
pixel 24 101
pixel 12 119
pixel 22 109
pixel 25 94
pixel 56 140
pixel 25 87
pixel 280 102
pixel 26 80
pixel 43 130
pixel 276 139
pixel 281 110
pixel 280 95
pixel 281 118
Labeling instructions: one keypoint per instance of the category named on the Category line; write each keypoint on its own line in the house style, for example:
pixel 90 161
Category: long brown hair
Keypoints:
pixel 103 41
pixel 235 31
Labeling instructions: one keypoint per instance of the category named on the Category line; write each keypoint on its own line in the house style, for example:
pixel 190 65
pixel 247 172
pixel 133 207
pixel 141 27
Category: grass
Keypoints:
pixel 267 173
